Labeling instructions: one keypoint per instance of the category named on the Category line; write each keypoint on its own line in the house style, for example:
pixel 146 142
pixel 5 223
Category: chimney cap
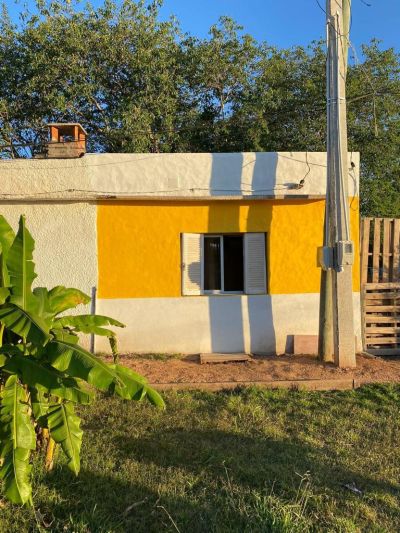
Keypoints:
pixel 66 125
pixel 66 140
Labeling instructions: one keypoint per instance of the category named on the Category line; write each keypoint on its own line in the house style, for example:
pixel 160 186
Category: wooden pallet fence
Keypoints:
pixel 381 318
pixel 380 250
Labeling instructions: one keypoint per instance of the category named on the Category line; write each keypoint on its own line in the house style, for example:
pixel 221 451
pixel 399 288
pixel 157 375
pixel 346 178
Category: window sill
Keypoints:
pixel 222 293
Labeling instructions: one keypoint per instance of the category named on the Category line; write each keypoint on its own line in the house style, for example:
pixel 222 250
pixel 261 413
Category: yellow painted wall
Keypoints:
pixel 139 242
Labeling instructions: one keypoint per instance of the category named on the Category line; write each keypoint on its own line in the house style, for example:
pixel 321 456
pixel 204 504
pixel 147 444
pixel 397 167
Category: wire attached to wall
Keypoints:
pixel 110 194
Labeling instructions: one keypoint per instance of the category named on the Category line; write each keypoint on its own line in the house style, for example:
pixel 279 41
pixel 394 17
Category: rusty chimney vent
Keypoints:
pixel 67 140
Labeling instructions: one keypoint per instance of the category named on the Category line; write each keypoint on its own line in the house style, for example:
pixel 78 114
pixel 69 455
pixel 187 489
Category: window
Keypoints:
pixel 223 263
pixel 232 263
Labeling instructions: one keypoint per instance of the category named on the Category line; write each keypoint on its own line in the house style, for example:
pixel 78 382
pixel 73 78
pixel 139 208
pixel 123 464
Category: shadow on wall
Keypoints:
pixel 241 323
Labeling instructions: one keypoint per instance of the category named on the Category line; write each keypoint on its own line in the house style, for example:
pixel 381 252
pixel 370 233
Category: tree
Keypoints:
pixel 218 72
pixel 374 128
pixel 138 84
pixel 115 69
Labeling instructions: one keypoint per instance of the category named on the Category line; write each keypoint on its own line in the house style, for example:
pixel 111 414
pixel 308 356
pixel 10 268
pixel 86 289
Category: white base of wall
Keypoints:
pixel 251 324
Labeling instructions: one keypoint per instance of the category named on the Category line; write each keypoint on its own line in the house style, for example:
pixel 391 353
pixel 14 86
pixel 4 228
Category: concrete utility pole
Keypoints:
pixel 336 312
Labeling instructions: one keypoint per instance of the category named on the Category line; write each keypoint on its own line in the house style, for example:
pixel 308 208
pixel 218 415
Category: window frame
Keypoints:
pixel 207 292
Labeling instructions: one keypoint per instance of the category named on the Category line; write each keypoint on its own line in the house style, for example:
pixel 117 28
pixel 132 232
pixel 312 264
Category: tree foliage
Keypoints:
pixel 43 369
pixel 138 85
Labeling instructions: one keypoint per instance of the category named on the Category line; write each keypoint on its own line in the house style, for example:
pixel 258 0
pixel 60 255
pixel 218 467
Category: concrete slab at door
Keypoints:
pixel 224 358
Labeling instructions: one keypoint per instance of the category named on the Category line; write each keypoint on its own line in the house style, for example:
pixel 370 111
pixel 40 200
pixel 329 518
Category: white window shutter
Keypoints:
pixel 192 270
pixel 255 269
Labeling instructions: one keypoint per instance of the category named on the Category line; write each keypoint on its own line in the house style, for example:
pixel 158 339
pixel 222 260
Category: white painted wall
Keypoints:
pixel 65 242
pixel 27 178
pixel 188 175
pixel 234 323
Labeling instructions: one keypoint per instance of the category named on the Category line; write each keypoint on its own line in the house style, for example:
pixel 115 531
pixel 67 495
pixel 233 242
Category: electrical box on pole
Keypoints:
pixel 344 254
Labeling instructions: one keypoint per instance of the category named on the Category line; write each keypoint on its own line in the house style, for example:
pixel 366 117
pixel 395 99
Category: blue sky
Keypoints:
pixel 282 23
pixel 289 22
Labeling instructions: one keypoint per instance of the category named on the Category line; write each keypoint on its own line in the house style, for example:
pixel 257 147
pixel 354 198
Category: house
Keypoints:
pixel 194 252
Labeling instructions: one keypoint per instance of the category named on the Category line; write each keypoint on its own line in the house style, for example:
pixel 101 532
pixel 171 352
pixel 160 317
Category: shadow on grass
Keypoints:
pixel 203 480
pixel 119 503
pixel 216 462
pixel 94 502
pixel 252 462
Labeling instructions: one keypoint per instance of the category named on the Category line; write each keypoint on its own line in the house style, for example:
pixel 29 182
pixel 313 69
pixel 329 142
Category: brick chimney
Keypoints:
pixel 67 140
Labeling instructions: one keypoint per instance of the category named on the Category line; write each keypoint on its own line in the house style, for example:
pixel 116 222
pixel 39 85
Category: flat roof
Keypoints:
pixel 187 176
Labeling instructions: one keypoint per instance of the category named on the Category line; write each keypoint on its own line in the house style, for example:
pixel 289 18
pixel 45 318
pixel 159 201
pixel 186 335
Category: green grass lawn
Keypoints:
pixel 247 460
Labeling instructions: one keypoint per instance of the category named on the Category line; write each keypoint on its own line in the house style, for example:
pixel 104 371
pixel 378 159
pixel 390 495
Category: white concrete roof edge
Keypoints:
pixel 182 175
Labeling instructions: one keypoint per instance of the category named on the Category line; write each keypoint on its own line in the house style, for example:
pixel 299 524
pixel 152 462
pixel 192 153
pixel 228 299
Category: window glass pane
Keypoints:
pixel 212 264
pixel 233 263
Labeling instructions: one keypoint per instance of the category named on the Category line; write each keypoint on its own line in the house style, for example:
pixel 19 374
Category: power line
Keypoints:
pixel 321 8
pixel 88 194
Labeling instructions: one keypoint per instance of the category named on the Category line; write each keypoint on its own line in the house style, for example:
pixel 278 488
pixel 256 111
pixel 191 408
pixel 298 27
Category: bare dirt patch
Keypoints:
pixel 187 369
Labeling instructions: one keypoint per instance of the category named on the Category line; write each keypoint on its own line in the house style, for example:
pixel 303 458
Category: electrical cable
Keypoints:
pixel 85 164
pixel 138 193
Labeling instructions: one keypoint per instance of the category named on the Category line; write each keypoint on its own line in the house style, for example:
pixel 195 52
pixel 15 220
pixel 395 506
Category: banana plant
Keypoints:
pixel 44 371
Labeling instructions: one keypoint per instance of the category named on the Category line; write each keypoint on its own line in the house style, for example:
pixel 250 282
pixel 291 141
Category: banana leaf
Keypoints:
pixel 65 335
pixel 79 363
pixel 64 426
pixel 89 324
pixel 154 397
pixel 21 269
pixel 25 324
pixel 131 387
pixel 40 406
pixel 62 298
pixel 17 438
pixel 15 473
pixel 35 373
pixel 4 294
pixel 135 387
pixel 15 422
pixel 7 237
pixel 44 309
